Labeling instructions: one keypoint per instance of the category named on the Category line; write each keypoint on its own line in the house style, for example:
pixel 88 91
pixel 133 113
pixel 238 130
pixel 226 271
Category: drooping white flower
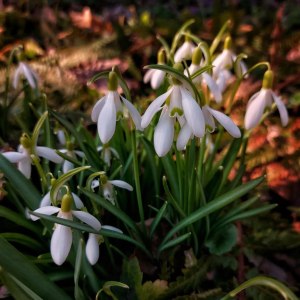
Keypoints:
pixel 109 108
pixel 263 99
pixel 107 153
pixel 226 59
pixel 107 187
pixel 180 104
pixel 155 77
pixel 23 156
pixel 225 121
pixel 185 51
pixel 68 165
pixel 61 240
pixel 92 244
pixel 23 70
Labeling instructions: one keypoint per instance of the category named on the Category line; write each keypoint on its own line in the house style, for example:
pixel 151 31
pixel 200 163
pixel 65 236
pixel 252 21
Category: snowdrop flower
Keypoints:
pixel 225 121
pixel 24 70
pixel 46 200
pixel 262 100
pixel 156 77
pixel 225 60
pixel 109 109
pixel 185 51
pixel 180 104
pixel 107 152
pixel 67 165
pixel 92 245
pixel 61 240
pixel 23 156
pixel 107 187
pixel 205 78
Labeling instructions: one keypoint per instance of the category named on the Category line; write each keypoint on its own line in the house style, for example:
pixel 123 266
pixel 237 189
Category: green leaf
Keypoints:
pixel 157 219
pixel 173 242
pixel 25 189
pixel 222 241
pixel 22 239
pixel 62 180
pixel 78 263
pixel 37 128
pixel 214 205
pixel 17 265
pixel 18 219
pixel 16 288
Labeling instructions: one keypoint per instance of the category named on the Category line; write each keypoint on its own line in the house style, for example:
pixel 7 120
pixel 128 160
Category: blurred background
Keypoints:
pixel 67 42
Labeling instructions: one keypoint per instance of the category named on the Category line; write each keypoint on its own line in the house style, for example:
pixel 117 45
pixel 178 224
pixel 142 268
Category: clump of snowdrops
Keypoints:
pixel 146 187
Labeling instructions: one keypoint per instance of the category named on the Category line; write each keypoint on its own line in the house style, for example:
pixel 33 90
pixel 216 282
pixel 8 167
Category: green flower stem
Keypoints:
pixel 179 173
pixel 40 170
pixel 137 179
pixel 284 291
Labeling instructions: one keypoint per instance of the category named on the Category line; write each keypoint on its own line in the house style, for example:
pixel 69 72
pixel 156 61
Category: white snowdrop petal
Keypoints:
pixel 29 75
pixel 112 228
pixel 213 87
pixel 282 109
pixel 107 119
pixel 46 210
pixel 164 134
pixel 67 166
pixel 16 77
pixel 209 120
pixel 14 157
pixel 87 218
pixel 61 243
pixel 24 166
pixel 49 154
pixel 97 109
pixel 255 110
pixel 78 203
pixel 154 107
pixel 226 122
pixel 79 153
pixel 183 137
pixel 94 184
pixel 92 249
pixel 184 52
pixel 193 113
pixel 122 184
pixel 157 79
pixel 136 117
pixel 46 200
pixel 148 75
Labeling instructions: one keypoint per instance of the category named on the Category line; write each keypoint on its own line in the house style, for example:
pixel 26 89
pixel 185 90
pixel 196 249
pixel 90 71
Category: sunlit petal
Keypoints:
pixel 107 119
pixel 87 218
pixel 164 134
pixel 255 110
pixel 282 109
pixel 184 52
pixel 136 117
pixel 97 109
pixel 29 74
pixel 209 120
pixel 213 87
pixel 157 79
pixel 193 113
pixel 226 122
pixel 154 107
pixel 148 75
pixel 183 137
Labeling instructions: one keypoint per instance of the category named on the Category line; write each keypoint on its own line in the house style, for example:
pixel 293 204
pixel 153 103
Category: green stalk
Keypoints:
pixel 40 170
pixel 137 179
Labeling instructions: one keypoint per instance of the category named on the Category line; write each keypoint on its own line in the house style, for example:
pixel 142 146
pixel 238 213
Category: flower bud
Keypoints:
pixel 197 56
pixel 25 141
pixel 161 57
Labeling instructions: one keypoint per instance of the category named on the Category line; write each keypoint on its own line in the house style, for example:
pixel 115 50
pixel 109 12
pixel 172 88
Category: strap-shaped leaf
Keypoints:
pixel 16 264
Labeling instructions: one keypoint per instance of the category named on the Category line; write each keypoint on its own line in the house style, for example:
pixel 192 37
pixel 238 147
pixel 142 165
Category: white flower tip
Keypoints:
pixel 33 217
